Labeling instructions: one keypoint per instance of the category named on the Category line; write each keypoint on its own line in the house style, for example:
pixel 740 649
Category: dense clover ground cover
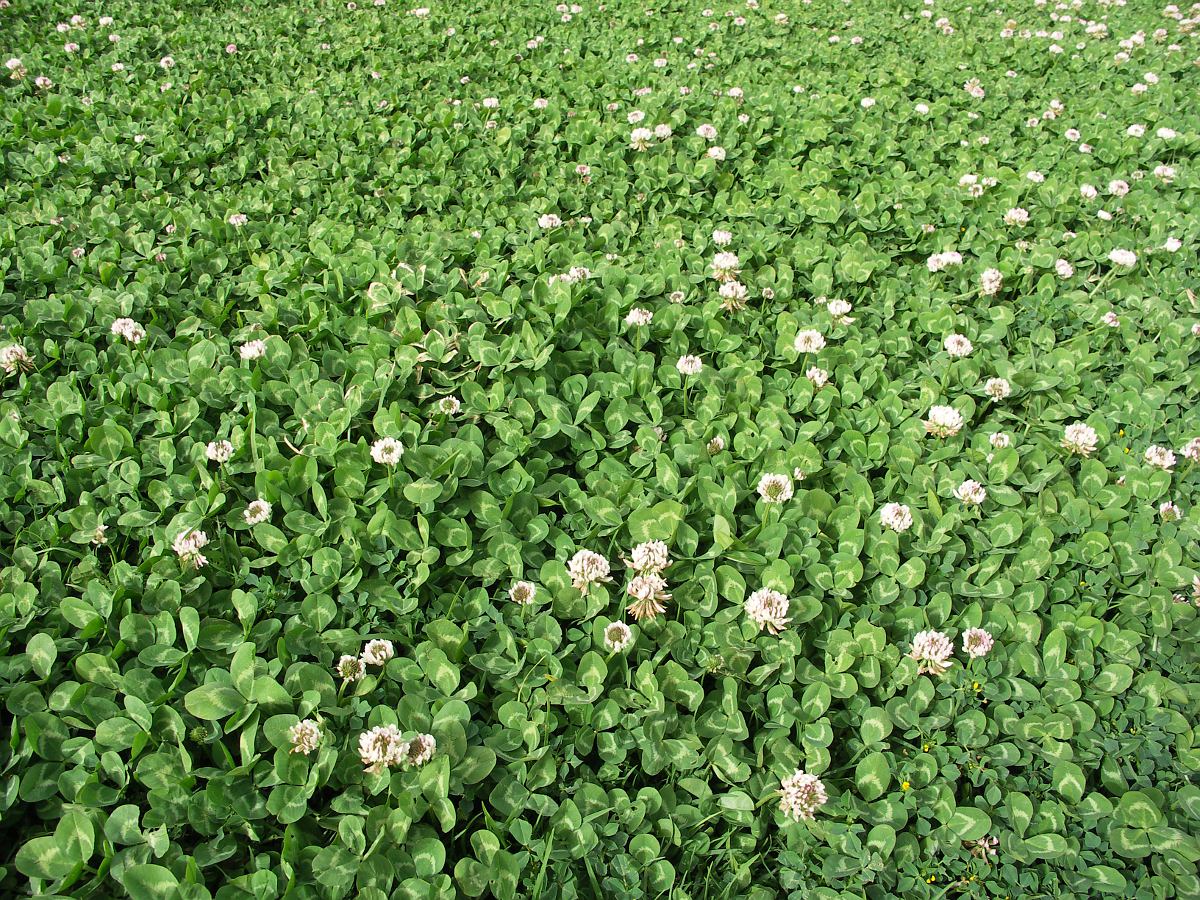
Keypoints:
pixel 531 451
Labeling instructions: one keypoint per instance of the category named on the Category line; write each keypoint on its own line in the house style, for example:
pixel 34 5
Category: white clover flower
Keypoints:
pixel 997 388
pixel 819 377
pixel 640 138
pixel 257 512
pixel 972 493
pixel 378 652
pixel 587 568
pixel 733 295
pixel 382 747
pixel 639 317
pixel 449 406
pixel 809 340
pixel 254 349
pixel 662 131
pixel 421 749
pixel 1088 192
pixel 14 358
pixel 617 637
pixel 219 452
pixel 649 593
pixel 896 516
pixel 939 261
pixel 717 153
pixel 1169 511
pixel 990 282
pixel 1080 438
pixel 523 593
pixel 350 668
pixel 1118 188
pixel 768 609
pixel 1172 244
pixel 774 487
pixel 999 440
pixel 1110 319
pixel 722 238
pixel 1160 457
pixel 958 345
pixel 1126 258
pixel 716 444
pixel 725 266
pixel 708 132
pixel 801 795
pixel 387 451
pixel 305 737
pixel 549 220
pixel 689 365
pixel 1063 268
pixel 944 421
pixel 129 329
pixel 840 310
pixel 1016 216
pixel 933 651
pixel 977 643
pixel 237 220
pixel 650 556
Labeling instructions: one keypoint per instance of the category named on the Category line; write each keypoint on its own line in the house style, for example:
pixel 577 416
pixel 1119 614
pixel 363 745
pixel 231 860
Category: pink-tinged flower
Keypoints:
pixel 774 487
pixel 1169 512
pixel 377 652
pixel 617 637
pixel 768 609
pixel 231 48
pixel 1160 457
pixel 1110 319
pixel 984 848
pixel 708 132
pixel 1191 450
pixel 237 220
pixel 257 512
pixel 304 737
pixel 977 643
pixel 187 546
pixel 387 451
pixel 933 651
pixel 1080 438
pixel 587 568
pixel 583 170
pixel 219 452
pixel 801 795
pixel 943 421
pixel 896 516
pixel 970 492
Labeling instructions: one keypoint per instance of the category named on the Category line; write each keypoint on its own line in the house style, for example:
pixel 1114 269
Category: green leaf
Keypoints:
pixel 1136 810
pixel 1046 846
pixel 213 701
pixel 876 725
pixel 42 653
pixel 872 776
pixel 1069 781
pixel 658 523
pixel 1004 529
pixel 969 824
pixel 149 882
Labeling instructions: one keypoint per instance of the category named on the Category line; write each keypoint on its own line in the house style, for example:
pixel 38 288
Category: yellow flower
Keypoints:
pixel 1121 433
pixel 925 747
pixel 975 686
pixel 904 785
